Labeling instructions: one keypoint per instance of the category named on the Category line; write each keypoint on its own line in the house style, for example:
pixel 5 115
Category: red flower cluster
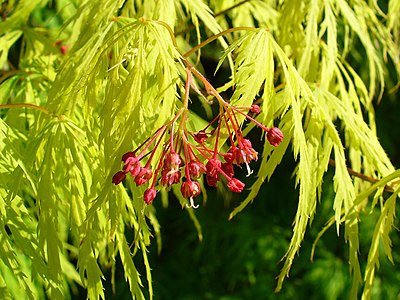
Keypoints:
pixel 186 155
pixel 196 154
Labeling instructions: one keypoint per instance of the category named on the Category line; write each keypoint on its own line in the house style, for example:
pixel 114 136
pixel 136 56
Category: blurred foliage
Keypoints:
pixel 240 259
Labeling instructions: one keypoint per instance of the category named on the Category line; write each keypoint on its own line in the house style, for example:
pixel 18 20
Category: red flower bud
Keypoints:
pixel 144 176
pixel 63 49
pixel 235 185
pixel 149 195
pixel 127 155
pixel 274 136
pixel 118 177
pixel 255 109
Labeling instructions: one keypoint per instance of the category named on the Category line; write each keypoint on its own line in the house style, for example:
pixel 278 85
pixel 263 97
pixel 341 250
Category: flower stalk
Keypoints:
pixel 187 155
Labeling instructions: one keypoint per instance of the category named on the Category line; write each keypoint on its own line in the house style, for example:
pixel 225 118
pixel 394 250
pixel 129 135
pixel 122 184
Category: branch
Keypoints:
pixel 362 176
pixel 21 105
pixel 202 44
pixel 230 8
pixel 222 12
pixel 214 37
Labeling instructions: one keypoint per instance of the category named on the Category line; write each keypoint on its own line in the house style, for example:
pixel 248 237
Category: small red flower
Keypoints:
pixel 213 167
pixel 274 136
pixel 172 161
pixel 212 180
pixel 143 176
pixel 248 153
pixel 228 169
pixel 132 165
pixel 170 177
pixel 235 185
pixel 190 189
pixel 230 155
pixel 200 136
pixel 118 177
pixel 149 195
pixel 196 169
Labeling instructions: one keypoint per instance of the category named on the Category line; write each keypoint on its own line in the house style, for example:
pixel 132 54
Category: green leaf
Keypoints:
pixel 131 274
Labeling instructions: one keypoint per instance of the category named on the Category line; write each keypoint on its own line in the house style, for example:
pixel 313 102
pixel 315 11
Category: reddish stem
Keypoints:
pixel 216 139
pixel 153 184
pixel 209 124
pixel 251 119
pixel 154 150
pixel 210 159
pixel 229 131
pixel 147 143
pixel 186 152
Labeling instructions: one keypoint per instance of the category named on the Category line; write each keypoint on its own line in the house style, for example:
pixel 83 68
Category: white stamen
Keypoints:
pixel 192 205
pixel 249 171
pixel 173 170
pixel 114 66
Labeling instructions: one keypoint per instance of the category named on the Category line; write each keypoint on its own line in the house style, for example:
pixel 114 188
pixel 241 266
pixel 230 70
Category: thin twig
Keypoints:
pixel 22 105
pixel 224 11
pixel 10 73
pixel 362 176
pixel 230 8
pixel 216 36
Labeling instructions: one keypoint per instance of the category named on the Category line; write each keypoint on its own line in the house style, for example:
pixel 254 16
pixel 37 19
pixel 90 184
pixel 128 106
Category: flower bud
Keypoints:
pixel 230 155
pixel 118 177
pixel 127 155
pixel 149 195
pixel 274 136
pixel 63 49
pixel 132 165
pixel 255 109
pixel 200 136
